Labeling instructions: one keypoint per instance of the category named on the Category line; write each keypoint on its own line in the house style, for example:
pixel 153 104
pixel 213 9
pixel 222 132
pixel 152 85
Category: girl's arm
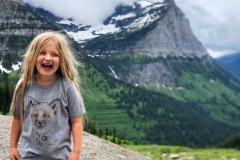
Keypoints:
pixel 15 134
pixel 77 131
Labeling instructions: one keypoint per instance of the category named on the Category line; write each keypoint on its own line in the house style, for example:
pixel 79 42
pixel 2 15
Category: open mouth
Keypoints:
pixel 47 66
pixel 39 127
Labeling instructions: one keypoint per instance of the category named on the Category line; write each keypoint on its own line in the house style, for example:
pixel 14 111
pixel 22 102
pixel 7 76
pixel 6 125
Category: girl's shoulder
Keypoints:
pixel 65 83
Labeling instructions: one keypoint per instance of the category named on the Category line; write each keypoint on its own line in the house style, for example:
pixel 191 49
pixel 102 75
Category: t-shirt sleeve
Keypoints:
pixel 76 107
pixel 16 112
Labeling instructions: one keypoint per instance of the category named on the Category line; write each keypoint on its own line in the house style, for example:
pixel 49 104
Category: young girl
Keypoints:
pixel 47 104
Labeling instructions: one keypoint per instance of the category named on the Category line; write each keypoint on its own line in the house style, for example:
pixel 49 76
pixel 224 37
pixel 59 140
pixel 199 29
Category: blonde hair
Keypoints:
pixel 67 67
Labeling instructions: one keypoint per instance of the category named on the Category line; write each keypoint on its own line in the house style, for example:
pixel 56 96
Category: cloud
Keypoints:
pixel 82 11
pixel 217 54
pixel 215 23
pixel 87 11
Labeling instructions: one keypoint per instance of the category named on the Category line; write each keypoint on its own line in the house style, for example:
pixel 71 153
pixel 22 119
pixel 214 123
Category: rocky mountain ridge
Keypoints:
pixel 155 29
pixel 18 27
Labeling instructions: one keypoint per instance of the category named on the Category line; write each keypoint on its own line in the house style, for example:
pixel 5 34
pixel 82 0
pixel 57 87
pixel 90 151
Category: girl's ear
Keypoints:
pixel 32 100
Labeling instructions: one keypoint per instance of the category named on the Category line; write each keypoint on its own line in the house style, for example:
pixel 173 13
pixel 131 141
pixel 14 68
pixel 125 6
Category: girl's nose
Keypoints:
pixel 48 57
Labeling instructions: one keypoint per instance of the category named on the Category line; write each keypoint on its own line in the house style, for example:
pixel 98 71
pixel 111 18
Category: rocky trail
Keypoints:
pixel 94 148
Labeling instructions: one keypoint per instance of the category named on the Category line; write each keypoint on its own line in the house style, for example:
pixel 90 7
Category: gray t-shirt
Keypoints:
pixel 46 132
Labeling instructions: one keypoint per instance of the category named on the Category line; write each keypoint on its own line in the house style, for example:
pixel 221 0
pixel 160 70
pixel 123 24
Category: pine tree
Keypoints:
pixel 114 135
pixel 6 98
pixel 106 131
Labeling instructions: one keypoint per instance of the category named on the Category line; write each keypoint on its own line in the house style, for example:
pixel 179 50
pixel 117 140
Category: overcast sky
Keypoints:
pixel 216 23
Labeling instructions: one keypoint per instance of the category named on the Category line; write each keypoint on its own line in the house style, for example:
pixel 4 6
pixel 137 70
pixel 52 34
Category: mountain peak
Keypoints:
pixel 155 29
pixel 149 28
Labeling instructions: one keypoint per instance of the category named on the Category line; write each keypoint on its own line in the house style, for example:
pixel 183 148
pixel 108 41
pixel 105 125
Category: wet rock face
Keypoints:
pixel 93 147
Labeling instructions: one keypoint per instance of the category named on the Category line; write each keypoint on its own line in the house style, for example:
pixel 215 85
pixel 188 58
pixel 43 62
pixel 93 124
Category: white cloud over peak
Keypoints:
pixel 87 11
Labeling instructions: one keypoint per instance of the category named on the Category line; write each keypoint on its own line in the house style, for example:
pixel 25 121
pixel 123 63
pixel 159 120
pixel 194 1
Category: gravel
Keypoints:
pixel 94 148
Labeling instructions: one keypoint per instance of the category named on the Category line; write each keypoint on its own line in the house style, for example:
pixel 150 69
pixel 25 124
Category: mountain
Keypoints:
pixel 148 79
pixel 18 27
pixel 132 22
pixel 231 62
pixel 146 29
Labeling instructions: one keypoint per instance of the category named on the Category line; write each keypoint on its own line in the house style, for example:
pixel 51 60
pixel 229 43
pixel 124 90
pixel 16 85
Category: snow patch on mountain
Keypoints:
pixel 122 17
pixel 67 22
pixel 115 75
pixel 145 3
pixel 150 12
pixel 14 67
pixel 92 32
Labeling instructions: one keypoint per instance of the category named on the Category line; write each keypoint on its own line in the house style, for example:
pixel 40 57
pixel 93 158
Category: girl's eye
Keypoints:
pixel 55 55
pixel 42 53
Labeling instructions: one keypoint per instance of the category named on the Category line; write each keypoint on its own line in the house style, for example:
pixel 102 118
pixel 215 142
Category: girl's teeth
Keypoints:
pixel 46 66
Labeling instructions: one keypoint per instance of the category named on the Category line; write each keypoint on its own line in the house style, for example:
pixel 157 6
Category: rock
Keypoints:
pixel 174 156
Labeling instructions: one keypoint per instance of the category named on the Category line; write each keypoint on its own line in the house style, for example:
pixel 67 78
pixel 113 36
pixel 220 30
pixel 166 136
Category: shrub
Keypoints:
pixel 232 142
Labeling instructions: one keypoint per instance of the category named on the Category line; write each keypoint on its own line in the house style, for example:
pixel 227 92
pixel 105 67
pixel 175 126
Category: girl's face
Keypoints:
pixel 48 61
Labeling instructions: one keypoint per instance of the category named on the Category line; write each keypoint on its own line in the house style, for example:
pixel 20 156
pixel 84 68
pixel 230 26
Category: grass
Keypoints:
pixel 157 152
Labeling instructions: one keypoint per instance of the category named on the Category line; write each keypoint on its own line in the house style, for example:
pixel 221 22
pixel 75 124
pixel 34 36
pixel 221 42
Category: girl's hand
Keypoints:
pixel 74 156
pixel 14 154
